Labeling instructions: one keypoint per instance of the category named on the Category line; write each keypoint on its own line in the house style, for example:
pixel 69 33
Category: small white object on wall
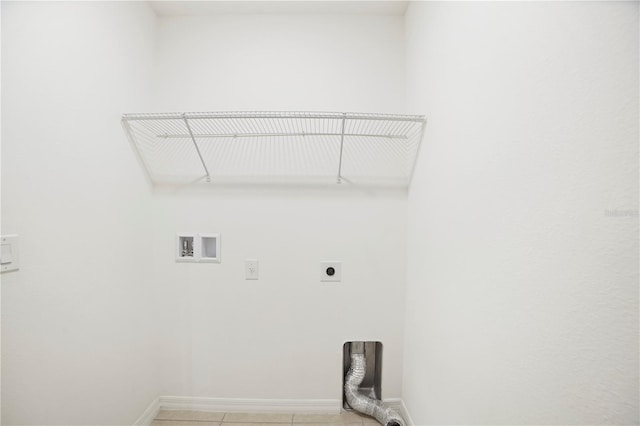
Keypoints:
pixel 209 248
pixel 9 253
pixel 201 248
pixel 251 269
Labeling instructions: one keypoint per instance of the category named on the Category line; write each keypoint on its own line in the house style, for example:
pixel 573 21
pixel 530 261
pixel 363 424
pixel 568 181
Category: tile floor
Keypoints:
pixel 201 418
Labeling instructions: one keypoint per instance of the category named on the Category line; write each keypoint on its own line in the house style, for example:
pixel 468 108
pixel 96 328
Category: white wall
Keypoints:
pixel 98 278
pixel 522 298
pixel 0 212
pixel 271 62
pixel 77 319
pixel 281 336
pixel 522 294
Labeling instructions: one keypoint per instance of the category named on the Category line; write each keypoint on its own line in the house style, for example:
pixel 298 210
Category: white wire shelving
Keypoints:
pixel 273 147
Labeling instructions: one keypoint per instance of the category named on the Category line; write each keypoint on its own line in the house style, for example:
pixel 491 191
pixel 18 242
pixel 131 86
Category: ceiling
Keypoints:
pixel 352 7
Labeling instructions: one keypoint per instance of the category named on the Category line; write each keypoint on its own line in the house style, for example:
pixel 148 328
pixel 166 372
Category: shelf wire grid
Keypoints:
pixel 180 148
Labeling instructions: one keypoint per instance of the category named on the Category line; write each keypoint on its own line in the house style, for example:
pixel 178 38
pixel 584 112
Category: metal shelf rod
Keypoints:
pixel 186 122
pixel 133 117
pixel 341 147
pixel 415 157
pixel 257 135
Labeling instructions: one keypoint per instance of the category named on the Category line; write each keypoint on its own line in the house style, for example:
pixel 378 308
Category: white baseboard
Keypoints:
pixel 395 403
pixel 398 404
pixel 405 414
pixel 230 405
pixel 149 414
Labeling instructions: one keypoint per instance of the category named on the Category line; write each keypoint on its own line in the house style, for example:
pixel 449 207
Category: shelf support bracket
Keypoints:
pixel 344 116
pixel 206 170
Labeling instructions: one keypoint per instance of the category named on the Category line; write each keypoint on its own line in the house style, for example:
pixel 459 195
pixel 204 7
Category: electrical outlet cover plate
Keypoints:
pixel 329 268
pixel 9 253
pixel 251 269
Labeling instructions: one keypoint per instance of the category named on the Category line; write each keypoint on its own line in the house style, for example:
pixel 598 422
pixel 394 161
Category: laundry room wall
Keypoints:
pixel 78 329
pixel 281 336
pixel 522 277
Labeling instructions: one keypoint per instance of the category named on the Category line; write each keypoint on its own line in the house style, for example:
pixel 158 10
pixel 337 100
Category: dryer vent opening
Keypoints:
pixel 371 385
pixel 362 365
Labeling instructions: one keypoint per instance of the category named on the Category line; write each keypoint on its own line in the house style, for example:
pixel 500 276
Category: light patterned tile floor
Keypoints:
pixel 201 418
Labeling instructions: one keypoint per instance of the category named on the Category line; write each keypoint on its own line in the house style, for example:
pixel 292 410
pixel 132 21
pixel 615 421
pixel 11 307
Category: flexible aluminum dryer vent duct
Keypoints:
pixel 359 402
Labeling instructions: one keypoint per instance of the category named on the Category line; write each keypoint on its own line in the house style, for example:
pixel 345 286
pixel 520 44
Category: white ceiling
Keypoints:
pixel 203 7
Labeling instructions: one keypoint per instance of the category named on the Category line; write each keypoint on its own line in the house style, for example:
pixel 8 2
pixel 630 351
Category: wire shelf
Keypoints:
pixel 254 147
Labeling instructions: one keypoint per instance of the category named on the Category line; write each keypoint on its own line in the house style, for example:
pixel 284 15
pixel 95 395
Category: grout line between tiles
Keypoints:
pixel 225 422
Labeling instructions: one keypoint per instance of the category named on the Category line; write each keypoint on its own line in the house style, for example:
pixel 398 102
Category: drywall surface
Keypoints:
pixel 522 297
pixel 77 320
pixel 0 209
pixel 280 336
pixel 280 62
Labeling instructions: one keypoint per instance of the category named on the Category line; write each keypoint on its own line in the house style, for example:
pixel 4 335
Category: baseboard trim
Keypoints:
pixel 149 414
pixel 229 405
pixel 398 404
pixel 395 403
pixel 405 414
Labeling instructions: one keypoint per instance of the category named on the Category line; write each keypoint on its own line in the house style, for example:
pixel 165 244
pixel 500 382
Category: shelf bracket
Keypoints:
pixel 344 116
pixel 206 170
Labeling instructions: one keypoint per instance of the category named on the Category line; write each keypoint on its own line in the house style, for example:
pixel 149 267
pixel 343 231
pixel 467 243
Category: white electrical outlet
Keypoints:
pixel 251 269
